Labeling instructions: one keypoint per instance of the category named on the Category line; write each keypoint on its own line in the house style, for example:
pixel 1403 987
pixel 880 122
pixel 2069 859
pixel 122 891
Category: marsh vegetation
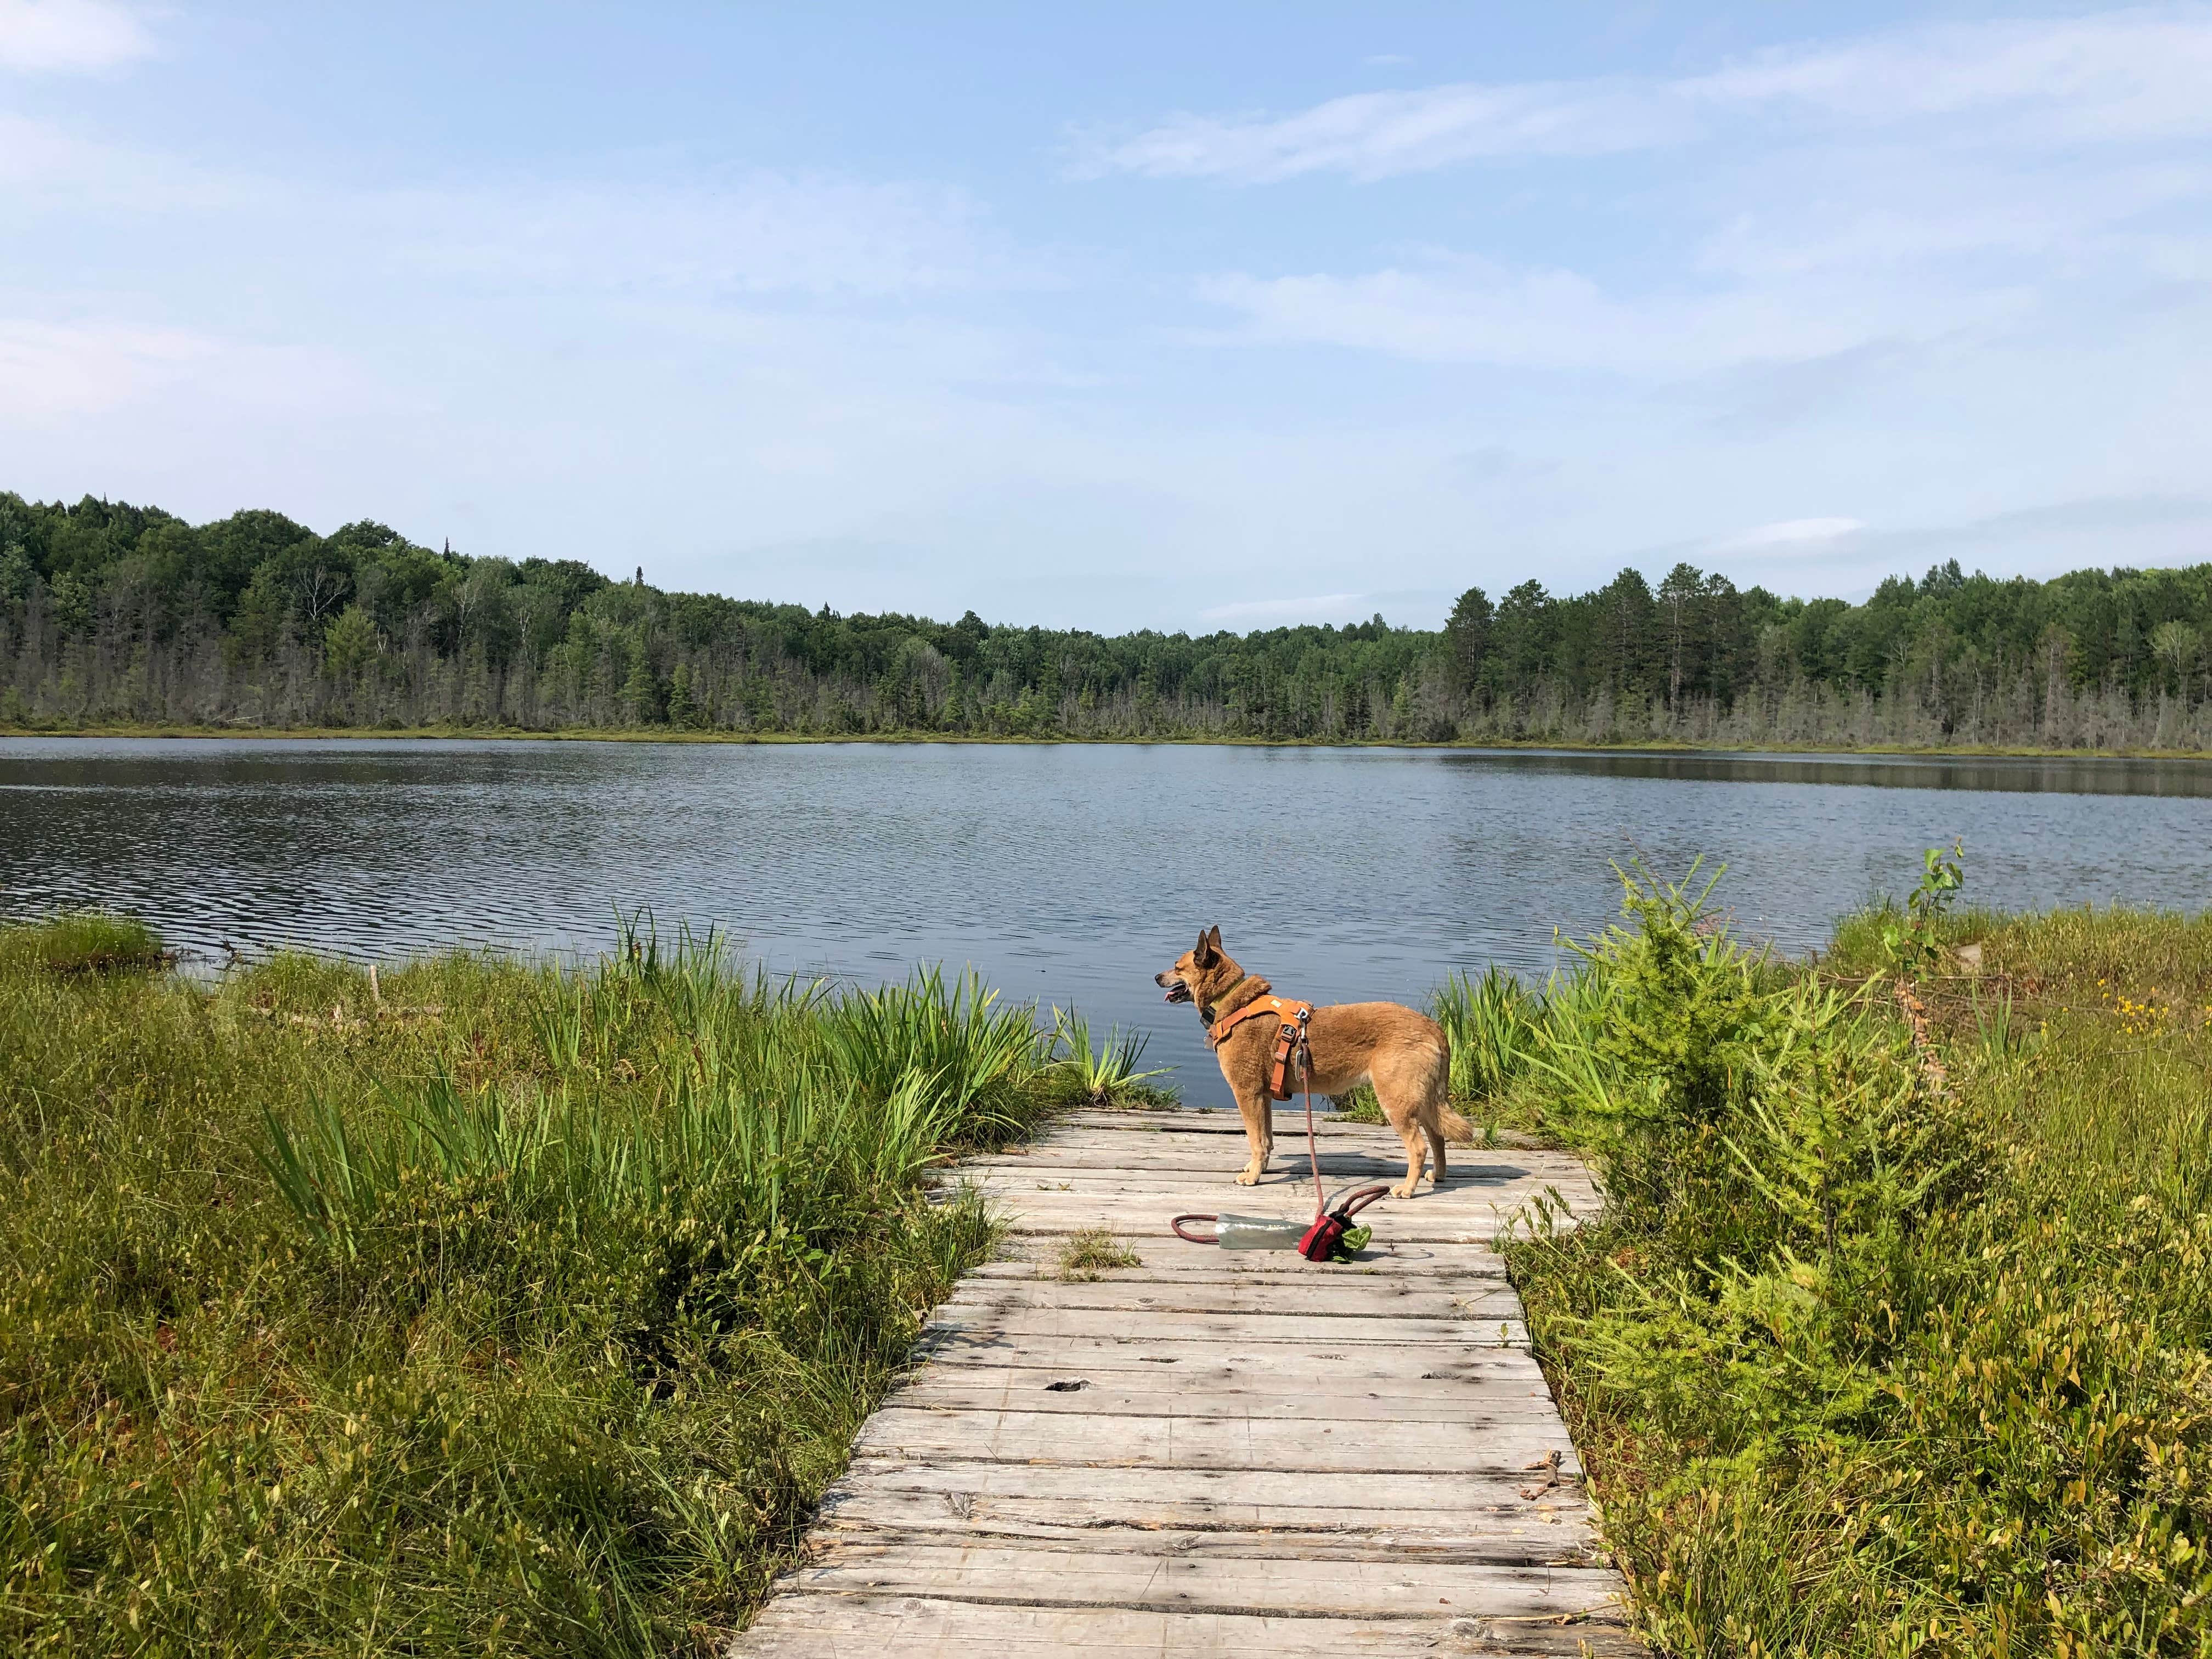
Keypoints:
pixel 498 1306
pixel 1892 1336
pixel 483 1305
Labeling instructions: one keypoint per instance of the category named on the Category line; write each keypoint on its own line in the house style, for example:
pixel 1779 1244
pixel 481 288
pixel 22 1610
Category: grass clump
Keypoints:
pixel 1490 1020
pixel 84 942
pixel 1104 1073
pixel 1889 1342
pixel 1093 1251
pixel 494 1308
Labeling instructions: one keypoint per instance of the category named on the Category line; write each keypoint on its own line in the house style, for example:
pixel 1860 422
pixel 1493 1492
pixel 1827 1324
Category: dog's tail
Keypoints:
pixel 1450 1124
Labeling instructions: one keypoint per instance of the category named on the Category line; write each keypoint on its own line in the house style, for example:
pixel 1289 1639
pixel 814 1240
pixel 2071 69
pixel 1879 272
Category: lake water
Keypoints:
pixel 1064 872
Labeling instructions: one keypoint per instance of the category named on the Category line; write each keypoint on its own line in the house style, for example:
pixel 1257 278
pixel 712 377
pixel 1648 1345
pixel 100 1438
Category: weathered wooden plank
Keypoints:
pixel 1287 1172
pixel 1339 1166
pixel 1196 1120
pixel 1476 1445
pixel 1207 1159
pixel 1212 1392
pixel 1201 1121
pixel 1283 1502
pixel 1134 1217
pixel 1013 1319
pixel 1187 1367
pixel 1260 1586
pixel 917 1627
pixel 1220 1128
pixel 1193 1497
pixel 1175 1261
pixel 1552 1534
pixel 1395 1298
pixel 1331 1371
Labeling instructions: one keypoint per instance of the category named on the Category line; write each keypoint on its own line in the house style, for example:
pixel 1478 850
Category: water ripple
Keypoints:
pixel 1065 872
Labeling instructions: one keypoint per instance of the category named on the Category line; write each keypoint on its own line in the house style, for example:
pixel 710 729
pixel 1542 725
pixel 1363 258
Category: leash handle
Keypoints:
pixel 1350 1202
pixel 1194 1238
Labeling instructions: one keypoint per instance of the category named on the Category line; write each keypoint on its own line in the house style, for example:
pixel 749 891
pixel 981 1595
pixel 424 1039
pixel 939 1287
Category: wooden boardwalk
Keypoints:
pixel 1216 1452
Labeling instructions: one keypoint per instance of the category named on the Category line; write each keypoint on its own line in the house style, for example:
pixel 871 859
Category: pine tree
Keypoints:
pixel 641 693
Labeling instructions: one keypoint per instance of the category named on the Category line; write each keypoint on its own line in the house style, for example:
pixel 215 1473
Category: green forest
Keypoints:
pixel 114 615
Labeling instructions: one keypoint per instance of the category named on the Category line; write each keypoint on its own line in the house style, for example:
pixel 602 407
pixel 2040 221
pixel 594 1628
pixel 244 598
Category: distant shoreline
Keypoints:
pixel 1657 747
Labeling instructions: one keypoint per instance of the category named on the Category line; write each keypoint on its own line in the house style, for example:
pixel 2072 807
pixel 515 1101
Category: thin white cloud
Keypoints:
pixel 1791 532
pixel 1471 310
pixel 65 36
pixel 1375 134
pixel 645 225
pixel 2124 76
pixel 753 232
pixel 1852 242
pixel 2121 76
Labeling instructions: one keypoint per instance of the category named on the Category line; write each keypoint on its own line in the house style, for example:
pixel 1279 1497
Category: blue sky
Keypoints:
pixel 1180 317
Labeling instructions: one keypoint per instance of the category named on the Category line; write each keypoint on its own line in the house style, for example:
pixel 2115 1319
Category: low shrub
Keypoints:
pixel 1879 1349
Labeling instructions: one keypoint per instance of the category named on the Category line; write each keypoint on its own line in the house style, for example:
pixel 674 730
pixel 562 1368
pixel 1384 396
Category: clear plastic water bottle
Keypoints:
pixel 1251 1232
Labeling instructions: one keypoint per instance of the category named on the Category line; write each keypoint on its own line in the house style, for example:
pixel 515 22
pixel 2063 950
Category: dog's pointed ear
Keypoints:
pixel 1214 939
pixel 1202 952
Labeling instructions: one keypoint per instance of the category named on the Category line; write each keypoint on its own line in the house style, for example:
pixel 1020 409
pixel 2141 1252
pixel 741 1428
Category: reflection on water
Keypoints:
pixel 1064 872
pixel 2064 774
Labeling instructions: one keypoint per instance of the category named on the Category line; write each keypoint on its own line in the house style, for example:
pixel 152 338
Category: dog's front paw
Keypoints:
pixel 1249 1176
pixel 1405 1188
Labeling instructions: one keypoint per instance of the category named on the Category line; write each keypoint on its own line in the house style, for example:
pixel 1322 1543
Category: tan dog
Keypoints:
pixel 1405 1054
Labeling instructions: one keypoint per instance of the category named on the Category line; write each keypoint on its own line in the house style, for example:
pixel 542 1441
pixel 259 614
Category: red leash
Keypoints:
pixel 1329 1226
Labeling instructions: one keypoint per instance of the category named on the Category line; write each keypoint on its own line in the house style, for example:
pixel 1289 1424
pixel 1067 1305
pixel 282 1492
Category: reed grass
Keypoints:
pixel 490 1307
pixel 1104 1073
pixel 1885 1344
pixel 1490 1020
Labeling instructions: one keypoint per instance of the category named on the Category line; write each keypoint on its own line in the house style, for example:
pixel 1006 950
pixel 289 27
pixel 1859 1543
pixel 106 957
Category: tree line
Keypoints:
pixel 115 614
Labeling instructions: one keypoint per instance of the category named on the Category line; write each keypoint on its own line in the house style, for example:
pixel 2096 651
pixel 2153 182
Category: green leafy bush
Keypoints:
pixel 1868 1362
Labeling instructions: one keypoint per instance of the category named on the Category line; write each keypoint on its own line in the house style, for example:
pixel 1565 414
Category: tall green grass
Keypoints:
pixel 82 942
pixel 1884 1350
pixel 493 1308
pixel 1489 1019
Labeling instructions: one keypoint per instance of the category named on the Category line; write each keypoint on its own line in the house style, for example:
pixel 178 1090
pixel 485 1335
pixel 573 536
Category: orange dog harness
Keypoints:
pixel 1290 1039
